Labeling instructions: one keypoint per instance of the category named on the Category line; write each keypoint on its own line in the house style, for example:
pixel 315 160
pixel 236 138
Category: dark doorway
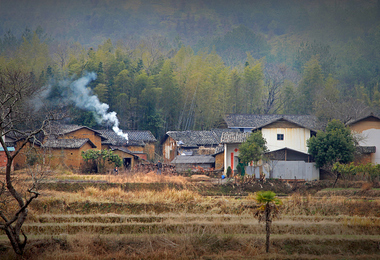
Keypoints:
pixel 127 162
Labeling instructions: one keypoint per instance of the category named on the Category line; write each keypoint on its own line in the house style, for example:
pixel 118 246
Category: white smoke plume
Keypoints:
pixel 84 99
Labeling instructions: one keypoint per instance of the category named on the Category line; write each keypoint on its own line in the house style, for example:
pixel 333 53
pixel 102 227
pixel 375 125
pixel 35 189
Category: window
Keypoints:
pixel 280 137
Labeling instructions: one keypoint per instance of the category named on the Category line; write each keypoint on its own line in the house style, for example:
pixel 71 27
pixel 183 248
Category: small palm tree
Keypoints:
pixel 267 211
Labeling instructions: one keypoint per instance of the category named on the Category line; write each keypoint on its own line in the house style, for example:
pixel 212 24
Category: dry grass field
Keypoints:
pixel 145 216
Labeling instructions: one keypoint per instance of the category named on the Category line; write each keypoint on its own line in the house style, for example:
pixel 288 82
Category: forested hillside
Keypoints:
pixel 180 65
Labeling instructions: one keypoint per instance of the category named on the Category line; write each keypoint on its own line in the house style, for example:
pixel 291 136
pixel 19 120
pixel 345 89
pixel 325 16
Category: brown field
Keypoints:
pixel 145 216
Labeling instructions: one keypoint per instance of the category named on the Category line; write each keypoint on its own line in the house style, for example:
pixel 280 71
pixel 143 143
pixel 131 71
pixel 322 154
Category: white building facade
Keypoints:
pixel 280 132
pixel 369 129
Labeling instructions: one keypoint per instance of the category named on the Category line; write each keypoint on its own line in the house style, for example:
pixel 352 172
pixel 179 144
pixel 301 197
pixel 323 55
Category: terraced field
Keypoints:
pixel 177 220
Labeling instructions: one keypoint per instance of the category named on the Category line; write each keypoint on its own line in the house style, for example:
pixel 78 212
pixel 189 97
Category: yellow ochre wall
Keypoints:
pixel 148 150
pixel 219 161
pixel 126 155
pixel 122 155
pixel 368 123
pixel 20 159
pixel 69 157
pixel 85 133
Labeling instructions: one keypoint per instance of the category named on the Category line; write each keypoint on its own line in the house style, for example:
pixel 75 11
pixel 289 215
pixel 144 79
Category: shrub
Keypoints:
pixel 229 171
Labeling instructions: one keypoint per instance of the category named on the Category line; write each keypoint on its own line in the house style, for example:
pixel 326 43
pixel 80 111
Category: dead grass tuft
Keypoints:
pixel 88 246
pixel 150 177
pixel 197 246
pixel 367 186
pixel 143 196
pixel 330 205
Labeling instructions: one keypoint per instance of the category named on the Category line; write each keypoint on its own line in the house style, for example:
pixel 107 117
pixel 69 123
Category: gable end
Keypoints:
pixel 282 124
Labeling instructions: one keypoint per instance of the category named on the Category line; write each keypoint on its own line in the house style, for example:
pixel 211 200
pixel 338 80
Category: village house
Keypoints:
pixel 142 143
pixel 191 143
pixel 118 144
pixel 67 152
pixel 64 144
pixel 185 162
pixel 65 131
pixel 286 137
pixel 186 143
pixel 368 127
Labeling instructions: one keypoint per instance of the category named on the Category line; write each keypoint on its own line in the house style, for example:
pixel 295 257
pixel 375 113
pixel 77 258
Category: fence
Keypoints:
pixel 286 170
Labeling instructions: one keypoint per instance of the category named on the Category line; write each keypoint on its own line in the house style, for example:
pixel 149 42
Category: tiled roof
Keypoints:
pixel 112 138
pixel 234 137
pixel 193 159
pixel 288 154
pixel 284 149
pixel 371 115
pixel 120 148
pixel 137 152
pixel 9 141
pixel 194 138
pixel 198 138
pixel 57 129
pixel 135 137
pixel 17 136
pixel 218 132
pixel 366 149
pixel 140 135
pixel 67 143
pixel 258 121
pixel 219 149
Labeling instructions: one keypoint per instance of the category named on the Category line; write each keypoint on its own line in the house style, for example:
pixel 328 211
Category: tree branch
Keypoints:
pixel 36 194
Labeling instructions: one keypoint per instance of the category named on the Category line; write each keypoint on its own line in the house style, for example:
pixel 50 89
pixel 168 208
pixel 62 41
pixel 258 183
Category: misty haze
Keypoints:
pixel 174 129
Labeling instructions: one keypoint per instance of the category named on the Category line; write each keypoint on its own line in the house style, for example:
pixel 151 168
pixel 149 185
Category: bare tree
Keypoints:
pixel 60 54
pixel 16 89
pixel 275 75
pixel 151 50
pixel 344 110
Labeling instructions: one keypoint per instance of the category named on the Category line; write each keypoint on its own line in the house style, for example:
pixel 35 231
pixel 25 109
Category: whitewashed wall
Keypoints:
pixel 228 150
pixel 294 138
pixel 372 138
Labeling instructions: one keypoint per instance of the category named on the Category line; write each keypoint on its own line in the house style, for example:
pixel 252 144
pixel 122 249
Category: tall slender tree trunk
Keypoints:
pixel 336 180
pixel 267 226
pixel 13 232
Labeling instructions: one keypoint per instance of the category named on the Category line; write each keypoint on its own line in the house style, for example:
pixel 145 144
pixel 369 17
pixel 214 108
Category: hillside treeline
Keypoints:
pixel 177 70
pixel 157 87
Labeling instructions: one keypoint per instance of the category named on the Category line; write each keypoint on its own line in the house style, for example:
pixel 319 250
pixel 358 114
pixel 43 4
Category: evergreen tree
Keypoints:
pixel 170 98
pixel 336 144
pixel 253 88
pixel 253 148
pixel 311 83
